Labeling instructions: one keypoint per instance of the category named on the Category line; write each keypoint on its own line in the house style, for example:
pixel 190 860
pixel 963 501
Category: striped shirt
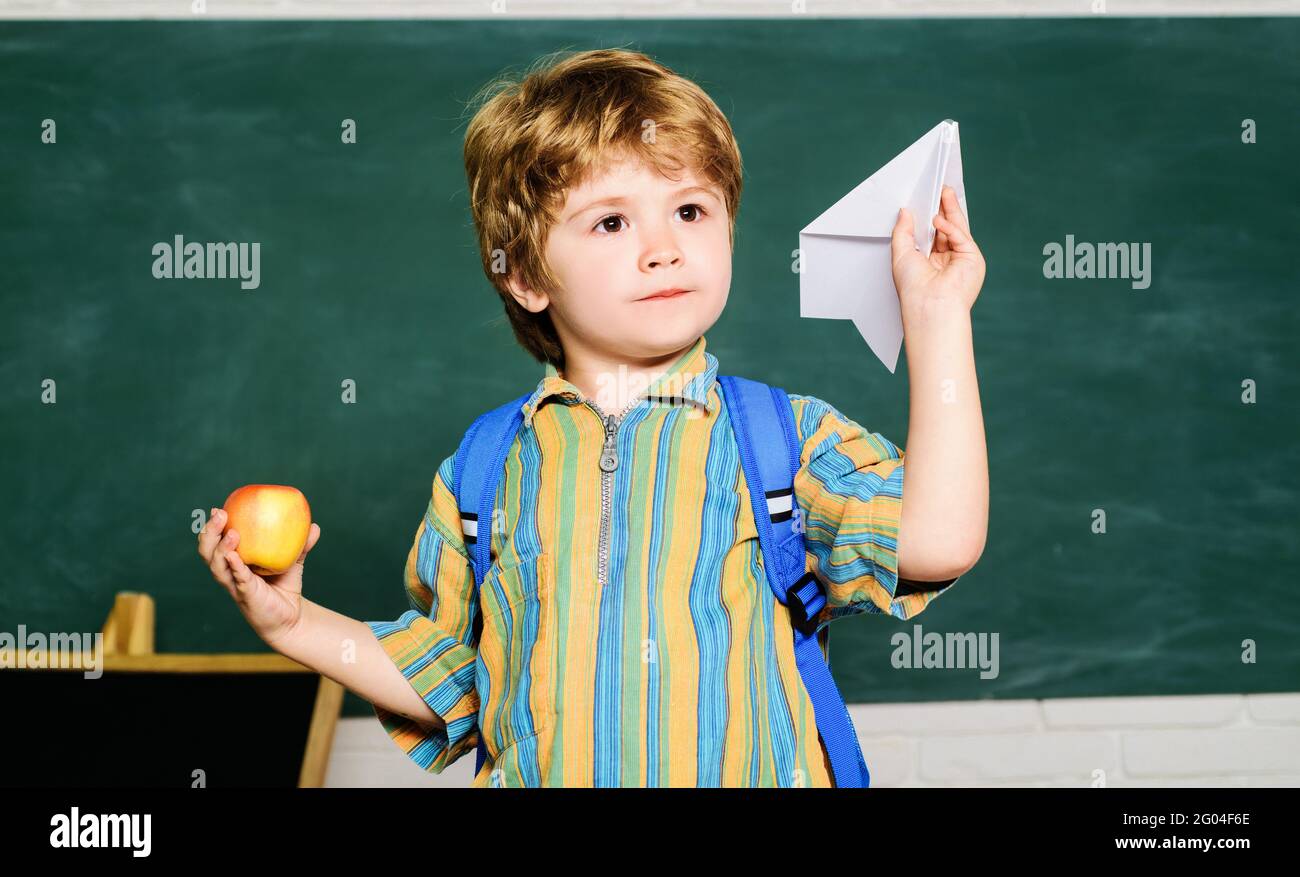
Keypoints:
pixel 628 636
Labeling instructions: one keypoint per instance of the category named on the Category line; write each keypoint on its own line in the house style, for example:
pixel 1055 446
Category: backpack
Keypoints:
pixel 763 422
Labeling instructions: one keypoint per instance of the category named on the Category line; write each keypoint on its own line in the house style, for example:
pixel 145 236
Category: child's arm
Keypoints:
pixel 308 633
pixel 417 671
pixel 945 482
pixel 324 638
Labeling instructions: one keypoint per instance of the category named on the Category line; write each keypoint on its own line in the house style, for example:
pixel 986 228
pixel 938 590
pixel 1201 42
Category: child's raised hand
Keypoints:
pixel 273 605
pixel 954 270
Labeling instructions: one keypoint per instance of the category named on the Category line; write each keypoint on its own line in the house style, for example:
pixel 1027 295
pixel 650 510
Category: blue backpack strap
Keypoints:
pixel 763 422
pixel 480 459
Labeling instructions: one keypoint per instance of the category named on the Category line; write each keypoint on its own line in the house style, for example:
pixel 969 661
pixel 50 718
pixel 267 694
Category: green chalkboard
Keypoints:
pixel 1096 395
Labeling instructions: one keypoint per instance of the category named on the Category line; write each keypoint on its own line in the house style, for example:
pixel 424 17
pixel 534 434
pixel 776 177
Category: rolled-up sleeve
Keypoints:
pixel 849 489
pixel 433 643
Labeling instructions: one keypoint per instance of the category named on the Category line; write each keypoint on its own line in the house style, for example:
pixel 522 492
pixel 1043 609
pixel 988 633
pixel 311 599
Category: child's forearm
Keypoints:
pixel 321 642
pixel 945 476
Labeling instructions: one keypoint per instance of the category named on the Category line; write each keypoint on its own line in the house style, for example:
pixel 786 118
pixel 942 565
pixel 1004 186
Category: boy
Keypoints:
pixel 624 635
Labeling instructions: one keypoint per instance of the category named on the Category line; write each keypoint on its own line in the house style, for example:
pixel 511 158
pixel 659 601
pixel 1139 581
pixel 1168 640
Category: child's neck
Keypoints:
pixel 614 382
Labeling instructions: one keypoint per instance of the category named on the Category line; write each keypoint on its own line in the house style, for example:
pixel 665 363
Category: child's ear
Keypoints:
pixel 529 299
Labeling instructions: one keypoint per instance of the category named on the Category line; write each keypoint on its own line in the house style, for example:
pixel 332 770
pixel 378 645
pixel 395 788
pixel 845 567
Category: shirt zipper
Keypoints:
pixel 608 463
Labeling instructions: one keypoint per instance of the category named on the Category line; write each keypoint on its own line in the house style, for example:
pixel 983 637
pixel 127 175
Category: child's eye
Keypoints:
pixel 696 208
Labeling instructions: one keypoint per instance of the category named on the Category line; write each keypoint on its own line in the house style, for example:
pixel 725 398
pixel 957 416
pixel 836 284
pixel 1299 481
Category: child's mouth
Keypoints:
pixel 666 296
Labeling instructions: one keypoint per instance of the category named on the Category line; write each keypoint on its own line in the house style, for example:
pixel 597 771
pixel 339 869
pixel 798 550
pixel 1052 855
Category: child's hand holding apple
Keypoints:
pixel 259 532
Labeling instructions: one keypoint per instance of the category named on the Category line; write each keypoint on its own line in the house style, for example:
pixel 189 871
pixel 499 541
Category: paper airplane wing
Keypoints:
pixel 845 266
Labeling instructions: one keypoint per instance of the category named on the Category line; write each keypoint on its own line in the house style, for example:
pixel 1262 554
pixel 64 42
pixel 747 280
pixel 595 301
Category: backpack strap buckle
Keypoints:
pixel 805 599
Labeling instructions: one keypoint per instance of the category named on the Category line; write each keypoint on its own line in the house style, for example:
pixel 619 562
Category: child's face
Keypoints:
pixel 607 257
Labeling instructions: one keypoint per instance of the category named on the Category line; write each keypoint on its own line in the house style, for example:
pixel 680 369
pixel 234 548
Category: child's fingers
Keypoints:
pixel 222 570
pixel 952 209
pixel 902 241
pixel 216 559
pixel 958 240
pixel 243 576
pixel 210 535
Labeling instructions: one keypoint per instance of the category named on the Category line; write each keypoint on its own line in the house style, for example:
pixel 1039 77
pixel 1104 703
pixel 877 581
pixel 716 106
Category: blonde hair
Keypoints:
pixel 571 114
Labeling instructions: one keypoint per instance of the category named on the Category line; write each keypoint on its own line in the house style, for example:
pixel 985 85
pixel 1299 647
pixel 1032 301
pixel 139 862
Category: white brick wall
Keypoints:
pixel 1210 740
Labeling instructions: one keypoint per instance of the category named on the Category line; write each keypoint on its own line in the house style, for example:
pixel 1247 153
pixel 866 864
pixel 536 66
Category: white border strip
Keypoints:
pixel 594 9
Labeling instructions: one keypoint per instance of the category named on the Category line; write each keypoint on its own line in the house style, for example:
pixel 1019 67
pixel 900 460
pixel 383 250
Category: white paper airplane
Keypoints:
pixel 844 253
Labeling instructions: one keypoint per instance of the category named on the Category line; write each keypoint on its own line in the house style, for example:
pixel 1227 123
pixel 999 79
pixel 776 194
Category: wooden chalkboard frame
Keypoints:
pixel 128 638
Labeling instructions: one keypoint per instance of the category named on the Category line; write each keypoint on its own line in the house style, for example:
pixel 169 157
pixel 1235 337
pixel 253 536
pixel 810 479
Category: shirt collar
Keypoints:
pixel 690 379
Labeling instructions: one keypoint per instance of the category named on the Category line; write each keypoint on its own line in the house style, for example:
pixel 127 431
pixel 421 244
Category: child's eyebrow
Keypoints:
pixel 614 201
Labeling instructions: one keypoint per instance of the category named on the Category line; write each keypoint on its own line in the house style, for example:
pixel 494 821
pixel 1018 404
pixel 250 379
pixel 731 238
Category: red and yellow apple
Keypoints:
pixel 273 521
